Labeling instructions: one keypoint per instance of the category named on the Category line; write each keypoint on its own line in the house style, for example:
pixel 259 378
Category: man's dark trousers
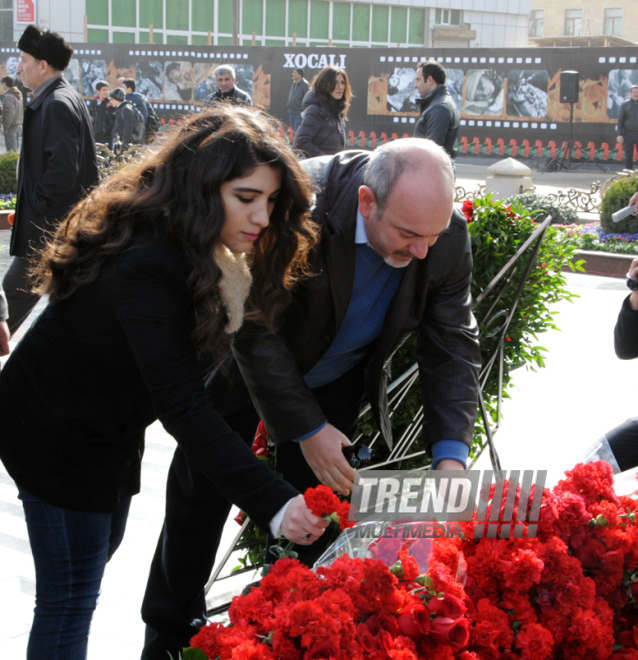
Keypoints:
pixel 20 300
pixel 174 604
pixel 630 140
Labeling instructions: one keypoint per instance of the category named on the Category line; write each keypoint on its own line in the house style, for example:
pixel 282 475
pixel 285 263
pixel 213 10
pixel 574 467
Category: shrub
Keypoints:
pixel 539 206
pixel 8 179
pixel 616 197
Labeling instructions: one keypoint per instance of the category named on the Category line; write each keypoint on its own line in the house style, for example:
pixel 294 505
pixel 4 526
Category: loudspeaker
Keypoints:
pixel 569 86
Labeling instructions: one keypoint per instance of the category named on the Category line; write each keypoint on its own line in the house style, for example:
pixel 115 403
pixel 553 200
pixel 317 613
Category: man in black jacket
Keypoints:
pixel 58 163
pixel 439 120
pixel 628 127
pixel 128 125
pixel 103 114
pixel 385 267
pixel 298 90
pixel 225 79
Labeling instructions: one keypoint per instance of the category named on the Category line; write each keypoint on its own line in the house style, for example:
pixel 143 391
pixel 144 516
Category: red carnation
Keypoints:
pixel 206 639
pixel 321 500
pixel 343 510
pixel 323 649
pixel 590 552
pixel 455 632
pixel 414 620
pixel 535 642
pixel 408 564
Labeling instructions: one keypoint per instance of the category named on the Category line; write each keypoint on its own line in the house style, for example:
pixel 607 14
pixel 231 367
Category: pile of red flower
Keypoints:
pixel 567 594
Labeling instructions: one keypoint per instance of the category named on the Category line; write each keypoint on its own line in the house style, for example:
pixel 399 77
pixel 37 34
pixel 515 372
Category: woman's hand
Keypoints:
pixel 300 525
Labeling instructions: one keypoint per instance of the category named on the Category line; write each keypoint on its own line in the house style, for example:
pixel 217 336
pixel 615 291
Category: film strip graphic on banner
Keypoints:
pixel 508 100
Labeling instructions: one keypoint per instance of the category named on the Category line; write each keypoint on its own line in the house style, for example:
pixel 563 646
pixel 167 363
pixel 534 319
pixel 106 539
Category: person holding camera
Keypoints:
pixel 623 440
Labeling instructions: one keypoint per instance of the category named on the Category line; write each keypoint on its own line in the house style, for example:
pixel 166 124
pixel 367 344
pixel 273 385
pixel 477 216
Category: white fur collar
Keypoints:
pixel 234 285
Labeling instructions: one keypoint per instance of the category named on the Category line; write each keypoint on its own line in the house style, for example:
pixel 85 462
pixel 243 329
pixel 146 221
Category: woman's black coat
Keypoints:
pixel 321 133
pixel 96 369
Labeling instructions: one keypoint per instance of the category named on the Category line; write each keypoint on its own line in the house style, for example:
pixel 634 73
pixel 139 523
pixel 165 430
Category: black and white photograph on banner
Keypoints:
pixel 527 93
pixel 484 92
pixel 619 84
pixel 402 96
pixel 178 81
pixel 72 74
pixel 244 77
pixel 454 81
pixel 92 71
pixel 12 66
pixel 149 79
pixel 204 81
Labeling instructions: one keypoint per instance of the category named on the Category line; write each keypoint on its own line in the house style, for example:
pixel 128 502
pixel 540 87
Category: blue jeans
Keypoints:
pixel 70 550
pixel 295 121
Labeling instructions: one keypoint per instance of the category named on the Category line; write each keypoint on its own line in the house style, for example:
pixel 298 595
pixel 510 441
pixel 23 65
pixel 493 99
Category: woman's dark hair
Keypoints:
pixel 177 190
pixel 325 82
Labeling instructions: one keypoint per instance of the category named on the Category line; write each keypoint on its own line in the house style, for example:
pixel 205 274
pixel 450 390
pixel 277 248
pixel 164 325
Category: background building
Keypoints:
pixel 360 23
pixel 583 23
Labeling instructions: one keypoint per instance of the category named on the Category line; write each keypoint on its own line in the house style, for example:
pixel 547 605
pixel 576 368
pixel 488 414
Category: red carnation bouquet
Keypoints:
pixel 323 502
pixel 570 593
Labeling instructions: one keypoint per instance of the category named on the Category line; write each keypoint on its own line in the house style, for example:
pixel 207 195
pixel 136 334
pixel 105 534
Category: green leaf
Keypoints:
pixel 192 653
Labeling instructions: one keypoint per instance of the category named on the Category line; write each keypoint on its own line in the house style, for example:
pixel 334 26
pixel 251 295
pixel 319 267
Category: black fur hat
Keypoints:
pixel 46 45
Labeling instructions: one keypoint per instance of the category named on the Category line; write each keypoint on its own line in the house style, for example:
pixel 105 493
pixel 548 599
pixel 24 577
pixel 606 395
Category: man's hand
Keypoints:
pixel 322 452
pixel 634 200
pixel 449 464
pixel 620 139
pixel 4 338
pixel 300 525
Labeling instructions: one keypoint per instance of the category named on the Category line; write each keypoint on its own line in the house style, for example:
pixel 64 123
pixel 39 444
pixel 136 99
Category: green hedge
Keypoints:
pixel 8 179
pixel 539 206
pixel 616 197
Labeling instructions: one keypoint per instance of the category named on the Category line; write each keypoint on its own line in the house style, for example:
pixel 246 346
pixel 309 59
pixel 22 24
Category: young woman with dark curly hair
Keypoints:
pixel 145 276
pixel 325 110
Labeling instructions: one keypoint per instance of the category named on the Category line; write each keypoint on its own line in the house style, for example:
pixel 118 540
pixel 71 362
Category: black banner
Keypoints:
pixel 508 99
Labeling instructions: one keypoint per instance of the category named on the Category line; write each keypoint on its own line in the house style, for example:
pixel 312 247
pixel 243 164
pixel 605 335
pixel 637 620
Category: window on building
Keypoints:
pixel 341 20
pixel 399 25
pixel 275 19
pixel 536 23
pixel 613 22
pixel 176 15
pixel 319 19
pixel 380 21
pixel 97 11
pixel 151 12
pixel 298 18
pixel 573 22
pixel 6 20
pixel 360 22
pixel 447 17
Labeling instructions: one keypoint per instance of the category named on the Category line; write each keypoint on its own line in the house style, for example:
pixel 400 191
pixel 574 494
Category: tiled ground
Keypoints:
pixel 553 416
